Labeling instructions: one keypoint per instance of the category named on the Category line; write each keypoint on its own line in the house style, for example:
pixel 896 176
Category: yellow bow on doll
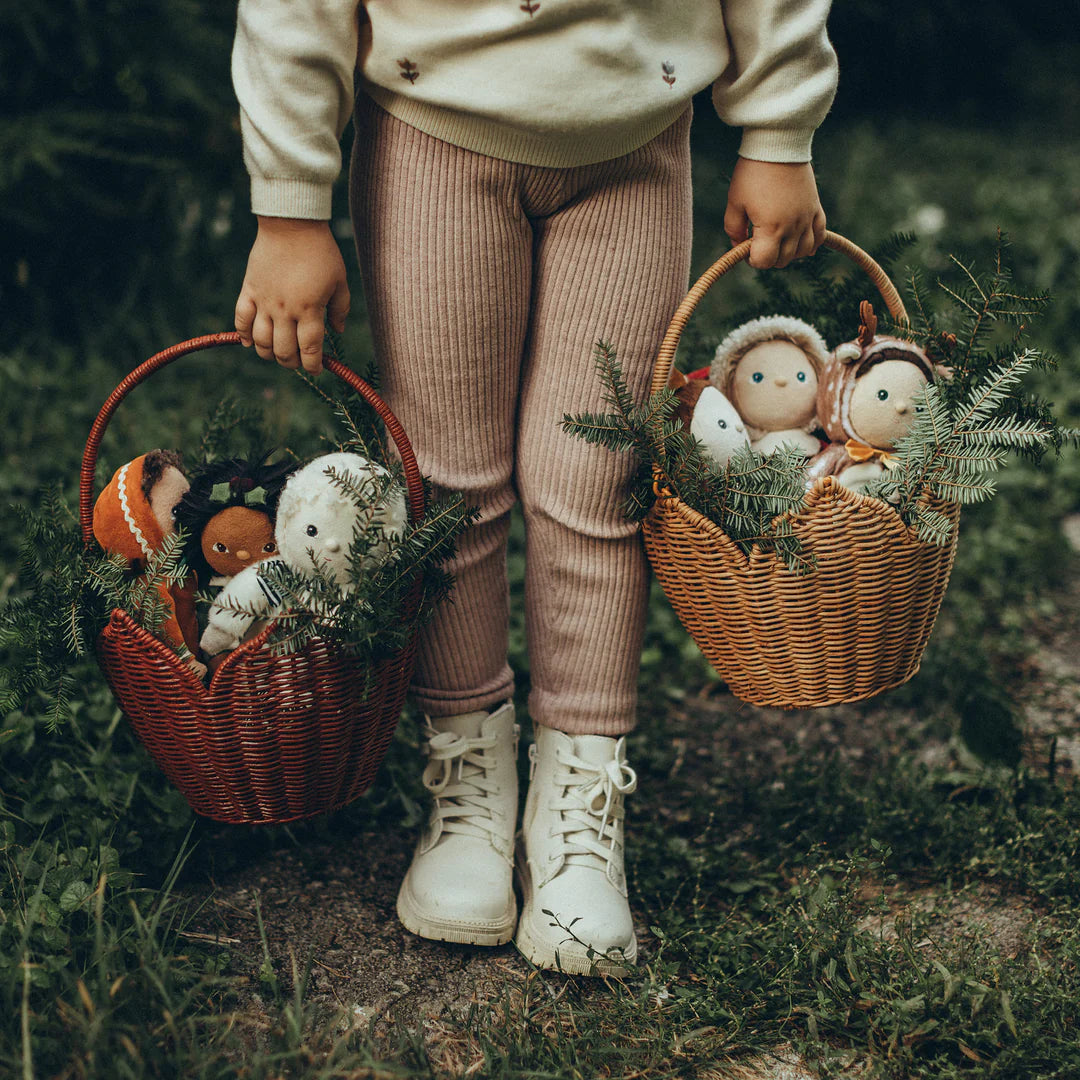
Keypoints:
pixel 860 452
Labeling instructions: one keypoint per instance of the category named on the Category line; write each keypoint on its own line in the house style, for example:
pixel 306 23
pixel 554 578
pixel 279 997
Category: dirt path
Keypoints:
pixel 334 903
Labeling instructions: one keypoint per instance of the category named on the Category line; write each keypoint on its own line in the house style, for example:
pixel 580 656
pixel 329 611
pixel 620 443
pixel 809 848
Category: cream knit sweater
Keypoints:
pixel 543 82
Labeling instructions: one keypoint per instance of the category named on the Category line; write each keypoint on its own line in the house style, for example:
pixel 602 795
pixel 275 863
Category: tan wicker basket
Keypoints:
pixel 853 627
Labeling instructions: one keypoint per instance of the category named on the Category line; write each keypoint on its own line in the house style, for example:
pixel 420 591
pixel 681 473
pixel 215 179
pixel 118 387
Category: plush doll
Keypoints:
pixel 228 515
pixel 132 518
pixel 866 402
pixel 717 426
pixel 708 415
pixel 316 523
pixel 769 369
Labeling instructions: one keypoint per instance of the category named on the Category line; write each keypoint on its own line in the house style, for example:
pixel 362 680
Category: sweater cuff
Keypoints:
pixel 280 197
pixel 785 145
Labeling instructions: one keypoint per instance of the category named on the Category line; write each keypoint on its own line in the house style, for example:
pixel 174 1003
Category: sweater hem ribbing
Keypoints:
pixel 547 149
pixel 789 146
pixel 287 198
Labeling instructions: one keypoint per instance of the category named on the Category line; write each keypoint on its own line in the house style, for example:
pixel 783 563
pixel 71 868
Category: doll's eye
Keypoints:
pixel 311 530
pixel 758 376
pixel 220 548
pixel 270 548
pixel 801 376
pixel 883 395
pixel 722 424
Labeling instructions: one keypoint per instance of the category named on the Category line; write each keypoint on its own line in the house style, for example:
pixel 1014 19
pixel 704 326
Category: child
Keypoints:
pixel 520 188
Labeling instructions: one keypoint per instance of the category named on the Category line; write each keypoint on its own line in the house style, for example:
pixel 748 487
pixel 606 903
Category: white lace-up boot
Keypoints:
pixel 570 855
pixel 460 884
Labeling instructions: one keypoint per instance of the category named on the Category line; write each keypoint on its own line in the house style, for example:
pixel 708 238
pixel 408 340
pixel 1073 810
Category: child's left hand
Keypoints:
pixel 781 202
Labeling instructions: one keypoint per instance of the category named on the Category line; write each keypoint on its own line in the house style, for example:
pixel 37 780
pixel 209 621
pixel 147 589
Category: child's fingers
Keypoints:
pixel 262 334
pixel 764 249
pixel 786 254
pixel 808 243
pixel 309 335
pixel 338 307
pixel 244 317
pixel 736 223
pixel 286 349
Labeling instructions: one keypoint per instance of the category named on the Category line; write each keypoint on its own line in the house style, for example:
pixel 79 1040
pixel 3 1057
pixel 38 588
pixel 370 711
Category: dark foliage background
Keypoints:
pixel 123 213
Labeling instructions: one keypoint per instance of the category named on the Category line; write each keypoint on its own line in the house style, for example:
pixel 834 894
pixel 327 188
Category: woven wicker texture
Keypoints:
pixel 853 627
pixel 273 738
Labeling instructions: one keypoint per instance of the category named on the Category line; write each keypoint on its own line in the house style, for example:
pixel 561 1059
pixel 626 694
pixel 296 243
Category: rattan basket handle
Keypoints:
pixel 413 482
pixel 666 355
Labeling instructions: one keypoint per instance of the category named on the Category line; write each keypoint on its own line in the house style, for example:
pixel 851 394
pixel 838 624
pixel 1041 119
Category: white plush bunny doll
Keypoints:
pixel 717 426
pixel 316 523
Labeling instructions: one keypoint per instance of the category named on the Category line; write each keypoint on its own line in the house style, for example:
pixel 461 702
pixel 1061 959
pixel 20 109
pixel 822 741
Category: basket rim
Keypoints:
pixel 122 619
pixel 824 489
pixel 414 484
pixel 665 355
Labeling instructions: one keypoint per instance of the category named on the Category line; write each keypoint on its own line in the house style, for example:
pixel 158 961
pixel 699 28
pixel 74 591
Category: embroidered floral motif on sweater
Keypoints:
pixel 408 70
pixel 668 68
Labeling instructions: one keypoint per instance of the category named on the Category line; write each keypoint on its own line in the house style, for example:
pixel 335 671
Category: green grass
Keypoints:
pixel 774 887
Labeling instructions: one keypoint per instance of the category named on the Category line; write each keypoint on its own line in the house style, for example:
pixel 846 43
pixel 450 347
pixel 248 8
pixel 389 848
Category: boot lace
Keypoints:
pixel 457 775
pixel 590 809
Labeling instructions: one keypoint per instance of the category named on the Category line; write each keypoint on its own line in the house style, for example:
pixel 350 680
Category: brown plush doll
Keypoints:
pixel 229 514
pixel 866 402
pixel 132 517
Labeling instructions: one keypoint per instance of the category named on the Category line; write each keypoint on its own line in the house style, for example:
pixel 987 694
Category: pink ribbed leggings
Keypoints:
pixel 487 284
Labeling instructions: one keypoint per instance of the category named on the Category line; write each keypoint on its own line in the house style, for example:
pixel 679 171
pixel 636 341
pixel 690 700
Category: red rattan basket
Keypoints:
pixel 272 738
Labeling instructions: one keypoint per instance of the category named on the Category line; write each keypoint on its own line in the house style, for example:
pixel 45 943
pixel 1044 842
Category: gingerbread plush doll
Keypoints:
pixel 132 518
pixel 228 514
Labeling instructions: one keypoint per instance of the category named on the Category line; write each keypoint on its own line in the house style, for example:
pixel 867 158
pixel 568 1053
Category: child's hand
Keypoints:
pixel 781 202
pixel 294 273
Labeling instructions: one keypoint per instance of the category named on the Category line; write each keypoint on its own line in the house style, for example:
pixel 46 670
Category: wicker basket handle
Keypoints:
pixel 666 355
pixel 413 483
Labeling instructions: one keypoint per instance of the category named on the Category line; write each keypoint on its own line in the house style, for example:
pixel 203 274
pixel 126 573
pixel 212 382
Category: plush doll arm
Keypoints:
pixel 830 461
pixel 773 440
pixel 236 607
pixel 858 477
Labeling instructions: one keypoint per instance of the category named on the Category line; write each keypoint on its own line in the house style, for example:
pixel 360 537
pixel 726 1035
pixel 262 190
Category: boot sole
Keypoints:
pixel 570 959
pixel 423 925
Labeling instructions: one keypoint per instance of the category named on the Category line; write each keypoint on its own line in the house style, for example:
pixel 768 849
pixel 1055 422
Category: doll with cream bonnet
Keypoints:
pixel 769 369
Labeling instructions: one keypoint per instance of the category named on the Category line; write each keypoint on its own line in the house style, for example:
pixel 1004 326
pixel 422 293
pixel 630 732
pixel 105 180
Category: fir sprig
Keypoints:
pixel 66 591
pixel 364 432
pixel 751 498
pixel 46 628
pixel 952 451
pixel 366 616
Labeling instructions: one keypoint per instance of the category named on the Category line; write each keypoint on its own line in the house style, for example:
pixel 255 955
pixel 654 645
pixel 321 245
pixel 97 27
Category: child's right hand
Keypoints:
pixel 295 274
